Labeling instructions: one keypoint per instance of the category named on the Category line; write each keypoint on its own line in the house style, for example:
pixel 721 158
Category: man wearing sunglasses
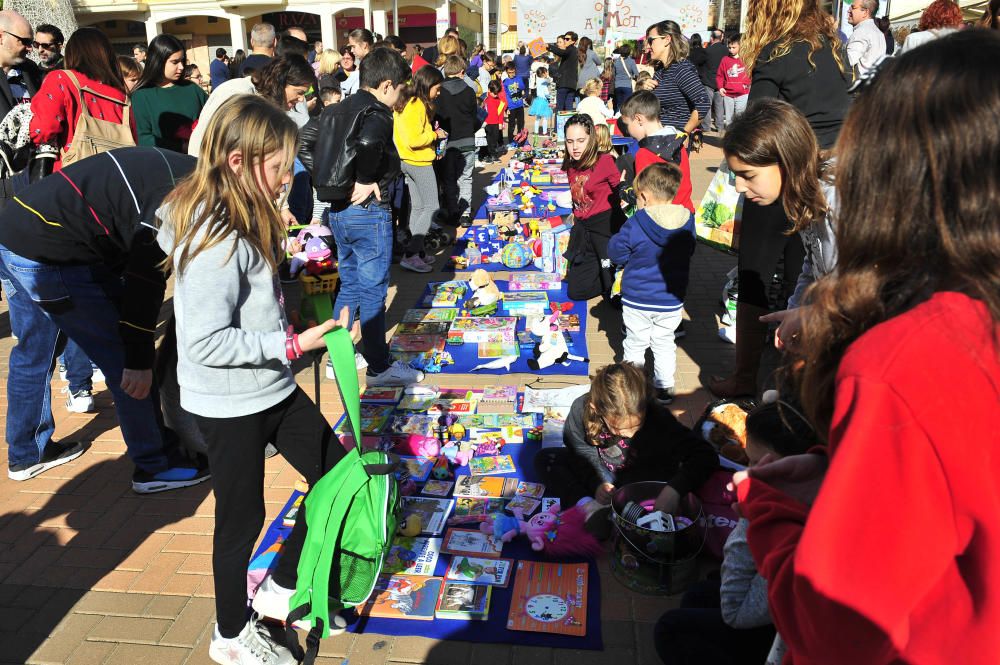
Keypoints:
pixel 19 80
pixel 48 43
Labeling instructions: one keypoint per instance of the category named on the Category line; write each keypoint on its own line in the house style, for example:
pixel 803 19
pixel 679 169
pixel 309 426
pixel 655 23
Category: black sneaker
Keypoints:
pixel 680 332
pixel 176 477
pixel 665 395
pixel 56 453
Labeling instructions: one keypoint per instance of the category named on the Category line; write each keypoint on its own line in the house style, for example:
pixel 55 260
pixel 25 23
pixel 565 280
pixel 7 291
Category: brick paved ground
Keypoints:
pixel 92 573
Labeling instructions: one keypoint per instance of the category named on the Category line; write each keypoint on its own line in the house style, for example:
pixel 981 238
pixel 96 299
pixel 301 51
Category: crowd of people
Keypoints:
pixel 868 180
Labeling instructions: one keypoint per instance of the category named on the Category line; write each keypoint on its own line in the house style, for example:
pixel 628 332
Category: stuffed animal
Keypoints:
pixel 307 250
pixel 418 445
pixel 410 526
pixel 484 290
pixel 551 347
pixel 556 534
pixel 442 469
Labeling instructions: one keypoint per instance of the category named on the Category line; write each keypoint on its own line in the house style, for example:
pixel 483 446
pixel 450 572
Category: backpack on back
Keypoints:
pixel 94 135
pixel 352 513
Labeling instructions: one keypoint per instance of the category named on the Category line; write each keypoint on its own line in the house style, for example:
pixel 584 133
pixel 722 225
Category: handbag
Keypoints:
pixel 717 219
pixel 94 135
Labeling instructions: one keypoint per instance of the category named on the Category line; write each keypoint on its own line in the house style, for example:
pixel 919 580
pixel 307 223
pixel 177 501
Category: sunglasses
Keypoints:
pixel 27 41
pixel 48 46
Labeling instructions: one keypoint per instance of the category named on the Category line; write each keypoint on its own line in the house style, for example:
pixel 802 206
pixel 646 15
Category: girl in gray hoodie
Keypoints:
pixel 223 236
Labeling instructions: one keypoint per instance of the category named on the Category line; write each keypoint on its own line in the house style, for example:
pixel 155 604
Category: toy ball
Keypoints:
pixel 536 247
pixel 515 255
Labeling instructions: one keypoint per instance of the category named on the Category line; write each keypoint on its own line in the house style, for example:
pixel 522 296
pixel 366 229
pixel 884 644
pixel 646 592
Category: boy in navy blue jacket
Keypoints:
pixel 513 89
pixel 655 246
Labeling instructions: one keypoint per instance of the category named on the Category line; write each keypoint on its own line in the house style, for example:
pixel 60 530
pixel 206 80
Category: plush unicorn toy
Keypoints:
pixel 551 347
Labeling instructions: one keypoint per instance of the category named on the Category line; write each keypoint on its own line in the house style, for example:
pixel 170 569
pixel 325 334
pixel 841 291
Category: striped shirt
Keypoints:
pixel 680 91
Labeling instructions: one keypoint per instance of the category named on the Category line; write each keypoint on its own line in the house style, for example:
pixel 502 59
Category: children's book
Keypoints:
pixel 293 512
pixel 548 502
pixel 549 598
pixel 498 345
pixel 485 487
pixel 466 506
pixel 526 302
pixel 472 542
pixel 569 322
pixel 415 468
pixel 476 328
pixel 498 399
pixel 446 294
pixel 413 556
pixel 437 487
pixel 381 395
pixel 479 435
pixel 474 570
pixel 413 423
pixel 439 314
pixel 534 281
pixel 530 490
pixel 497 420
pixel 460 600
pixel 416 343
pixel 525 504
pixel 404 597
pixel 432 513
pixel 423 328
pixel 450 400
pixel 374 418
pixel 492 465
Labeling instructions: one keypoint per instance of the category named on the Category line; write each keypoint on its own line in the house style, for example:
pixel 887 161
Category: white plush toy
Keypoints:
pixel 551 347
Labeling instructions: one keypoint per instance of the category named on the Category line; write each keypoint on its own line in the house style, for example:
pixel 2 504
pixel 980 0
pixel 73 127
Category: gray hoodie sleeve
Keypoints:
pixel 210 294
pixel 744 591
pixel 821 248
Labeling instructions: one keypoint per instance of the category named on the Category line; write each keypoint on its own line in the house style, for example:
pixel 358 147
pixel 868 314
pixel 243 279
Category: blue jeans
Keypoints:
pixel 621 96
pixel 79 370
pixel 80 301
pixel 565 99
pixel 364 254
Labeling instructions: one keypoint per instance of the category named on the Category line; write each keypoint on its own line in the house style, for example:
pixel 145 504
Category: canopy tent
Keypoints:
pixel 906 12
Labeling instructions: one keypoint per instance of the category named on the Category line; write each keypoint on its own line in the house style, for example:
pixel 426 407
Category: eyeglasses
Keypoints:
pixel 48 46
pixel 651 38
pixel 27 41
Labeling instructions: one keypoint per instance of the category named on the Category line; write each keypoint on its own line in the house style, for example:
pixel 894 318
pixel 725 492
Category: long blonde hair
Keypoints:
pixel 787 22
pixel 329 61
pixel 223 201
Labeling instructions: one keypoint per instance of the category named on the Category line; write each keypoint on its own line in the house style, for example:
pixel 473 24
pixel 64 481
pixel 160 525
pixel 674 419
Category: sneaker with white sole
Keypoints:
pixel 97 376
pixel 145 482
pixel 56 453
pixel 272 600
pixel 414 264
pixel 398 374
pixel 253 646
pixel 359 363
pixel 82 401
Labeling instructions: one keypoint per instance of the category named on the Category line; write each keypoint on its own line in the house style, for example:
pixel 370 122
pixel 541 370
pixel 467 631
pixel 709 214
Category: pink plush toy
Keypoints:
pixel 419 445
pixel 554 533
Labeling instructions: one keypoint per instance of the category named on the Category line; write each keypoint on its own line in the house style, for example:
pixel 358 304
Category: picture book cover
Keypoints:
pixel 423 315
pixel 447 294
pixel 404 597
pixel 460 600
pixel 374 418
pixel 413 556
pixel 437 487
pixel 498 345
pixel 475 570
pixel 416 343
pixel 525 504
pixel 413 423
pixel 530 490
pixel 432 513
pixel 465 506
pixel 549 598
pixel 477 328
pixel 498 399
pixel 479 435
pixel 472 542
pixel 548 502
pixel 485 487
pixel 381 394
pixel 526 300
pixel 492 465
pixel 423 328
pixel 451 400
pixel 569 322
pixel 497 420
pixel 415 468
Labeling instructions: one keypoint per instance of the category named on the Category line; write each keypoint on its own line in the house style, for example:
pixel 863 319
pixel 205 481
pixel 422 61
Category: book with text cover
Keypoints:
pixel 472 542
pixel 404 597
pixel 549 598
pixel 498 399
pixel 412 556
pixel 485 487
pixel 433 513
pixel 475 570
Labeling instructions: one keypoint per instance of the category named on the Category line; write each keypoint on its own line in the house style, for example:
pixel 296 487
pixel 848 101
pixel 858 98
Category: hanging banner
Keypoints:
pixel 550 18
pixel 628 19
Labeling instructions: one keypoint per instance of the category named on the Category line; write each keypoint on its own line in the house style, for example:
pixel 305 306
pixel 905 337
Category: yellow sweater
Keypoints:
pixel 413 134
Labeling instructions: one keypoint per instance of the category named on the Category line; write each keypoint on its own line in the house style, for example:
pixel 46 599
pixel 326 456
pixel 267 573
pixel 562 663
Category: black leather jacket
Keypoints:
pixel 350 142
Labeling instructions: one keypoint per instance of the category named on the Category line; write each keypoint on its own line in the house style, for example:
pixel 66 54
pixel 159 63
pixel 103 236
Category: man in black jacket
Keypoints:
pixel 78 255
pixel 18 84
pixel 567 74
pixel 456 110
pixel 353 161
pixel 714 53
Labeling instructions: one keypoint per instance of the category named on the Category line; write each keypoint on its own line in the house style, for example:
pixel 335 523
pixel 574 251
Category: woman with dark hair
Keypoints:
pixel 625 73
pixel 91 74
pixel 885 26
pixel 791 51
pixel 522 65
pixel 942 17
pixel 347 65
pixel 899 371
pixel 683 100
pixel 284 82
pixel 591 64
pixel 166 105
pixel 991 16
pixel 131 72
pixel 236 63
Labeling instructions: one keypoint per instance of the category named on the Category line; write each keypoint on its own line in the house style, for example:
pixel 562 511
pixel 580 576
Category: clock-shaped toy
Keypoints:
pixel 546 607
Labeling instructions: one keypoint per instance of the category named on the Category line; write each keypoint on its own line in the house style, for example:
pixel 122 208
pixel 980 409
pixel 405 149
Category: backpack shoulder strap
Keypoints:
pixel 81 89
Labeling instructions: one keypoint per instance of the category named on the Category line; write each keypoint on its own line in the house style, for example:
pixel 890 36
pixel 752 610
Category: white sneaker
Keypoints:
pixel 272 601
pixel 414 264
pixel 398 374
pixel 359 363
pixel 253 646
pixel 62 372
pixel 97 376
pixel 79 402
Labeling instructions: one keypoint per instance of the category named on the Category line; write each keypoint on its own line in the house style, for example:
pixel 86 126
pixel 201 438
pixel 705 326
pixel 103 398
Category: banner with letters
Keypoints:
pixel 604 20
pixel 550 18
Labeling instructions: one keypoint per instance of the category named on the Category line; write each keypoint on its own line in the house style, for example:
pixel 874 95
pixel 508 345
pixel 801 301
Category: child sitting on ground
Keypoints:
pixel 655 246
pixel 619 434
pixel 732 624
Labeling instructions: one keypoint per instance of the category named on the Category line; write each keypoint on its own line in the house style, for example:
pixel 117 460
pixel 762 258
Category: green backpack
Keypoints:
pixel 352 514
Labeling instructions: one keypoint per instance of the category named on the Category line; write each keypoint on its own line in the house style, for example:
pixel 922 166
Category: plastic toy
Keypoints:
pixel 484 291
pixel 442 469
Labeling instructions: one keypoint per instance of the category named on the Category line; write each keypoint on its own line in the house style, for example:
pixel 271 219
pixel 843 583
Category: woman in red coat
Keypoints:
pixel 883 549
pixel 90 63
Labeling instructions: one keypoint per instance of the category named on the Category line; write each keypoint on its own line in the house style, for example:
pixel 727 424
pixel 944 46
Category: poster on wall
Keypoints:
pixel 550 18
pixel 628 19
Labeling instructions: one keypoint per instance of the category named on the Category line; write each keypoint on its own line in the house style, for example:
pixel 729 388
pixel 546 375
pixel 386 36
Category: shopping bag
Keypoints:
pixel 717 220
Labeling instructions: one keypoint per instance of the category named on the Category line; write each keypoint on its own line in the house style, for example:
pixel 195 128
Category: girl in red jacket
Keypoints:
pixel 883 549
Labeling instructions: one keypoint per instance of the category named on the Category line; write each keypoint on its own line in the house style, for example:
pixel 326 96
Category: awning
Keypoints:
pixel 908 11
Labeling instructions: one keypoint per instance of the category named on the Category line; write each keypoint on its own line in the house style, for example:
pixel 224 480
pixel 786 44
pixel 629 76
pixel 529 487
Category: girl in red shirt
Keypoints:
pixel 496 109
pixel 593 181
pixel 56 108
pixel 883 549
